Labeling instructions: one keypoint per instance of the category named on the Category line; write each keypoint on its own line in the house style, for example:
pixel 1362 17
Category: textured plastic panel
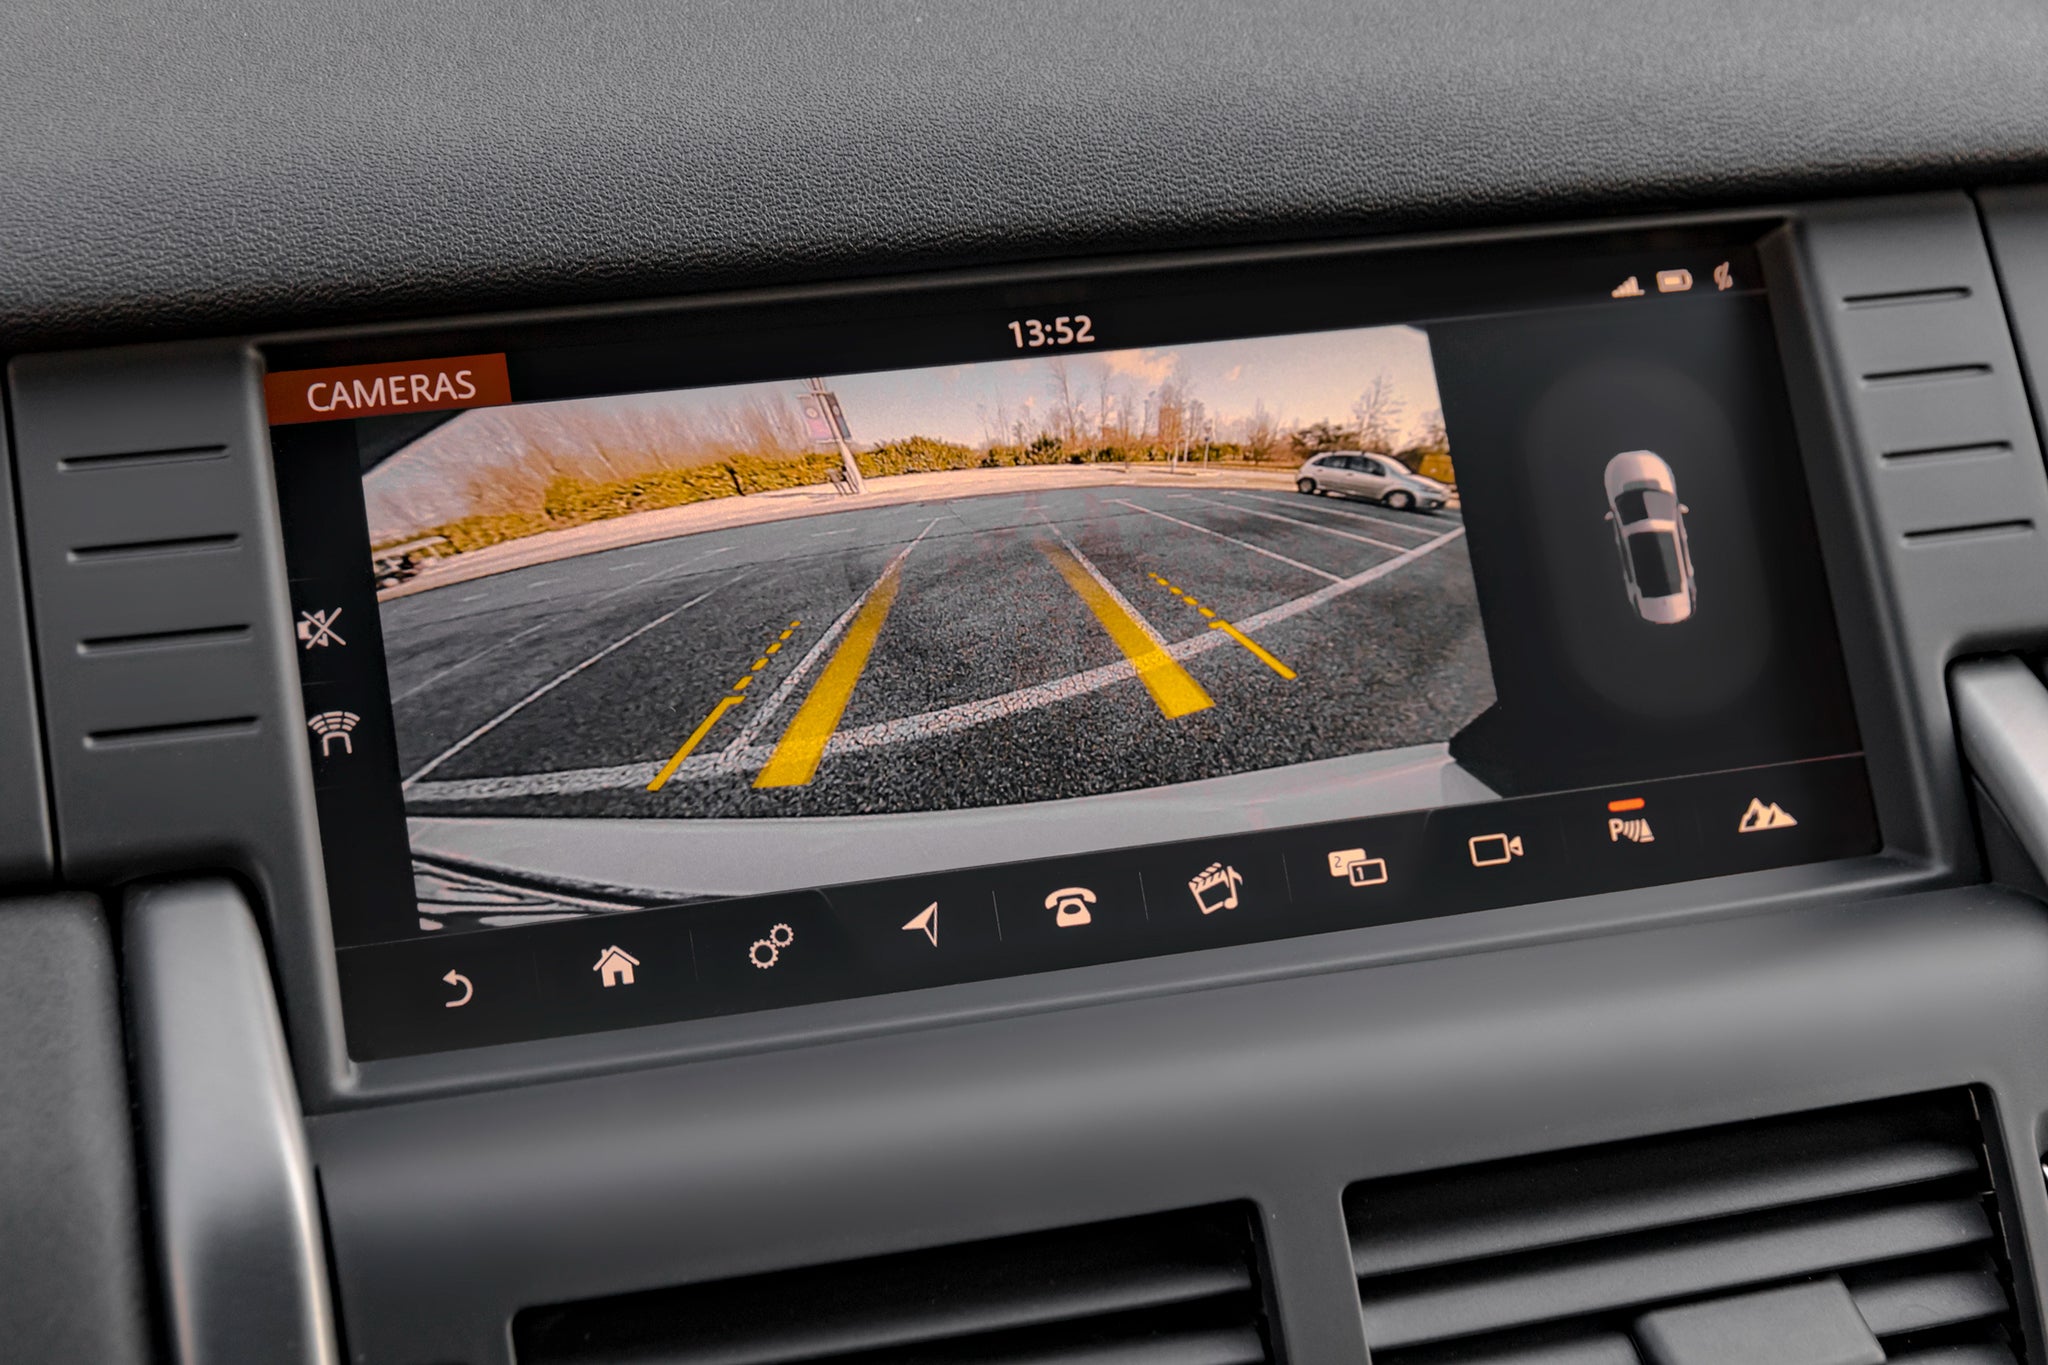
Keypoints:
pixel 274 164
pixel 449 1216
pixel 2016 220
pixel 1903 367
pixel 26 855
pixel 72 1285
pixel 174 726
pixel 237 1233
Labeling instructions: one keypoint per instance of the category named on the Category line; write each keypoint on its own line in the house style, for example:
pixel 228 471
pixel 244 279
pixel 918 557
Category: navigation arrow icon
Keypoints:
pixel 926 922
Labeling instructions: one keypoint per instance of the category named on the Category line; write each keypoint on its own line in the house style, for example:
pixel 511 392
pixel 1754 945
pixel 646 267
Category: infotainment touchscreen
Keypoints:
pixel 715 659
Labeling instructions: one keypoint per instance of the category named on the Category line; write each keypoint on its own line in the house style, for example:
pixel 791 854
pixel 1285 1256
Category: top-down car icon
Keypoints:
pixel 1649 533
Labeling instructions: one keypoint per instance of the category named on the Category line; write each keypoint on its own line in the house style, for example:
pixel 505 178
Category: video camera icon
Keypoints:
pixel 1493 850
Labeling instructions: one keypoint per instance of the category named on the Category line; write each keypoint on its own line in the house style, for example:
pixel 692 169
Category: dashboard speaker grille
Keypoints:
pixel 1868 1234
pixel 1170 1289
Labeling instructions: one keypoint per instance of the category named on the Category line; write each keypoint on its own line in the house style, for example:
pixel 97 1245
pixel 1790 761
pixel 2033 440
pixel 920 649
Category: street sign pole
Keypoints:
pixel 828 423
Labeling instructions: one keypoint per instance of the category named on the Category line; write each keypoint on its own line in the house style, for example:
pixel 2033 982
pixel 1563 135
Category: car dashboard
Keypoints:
pixel 982 685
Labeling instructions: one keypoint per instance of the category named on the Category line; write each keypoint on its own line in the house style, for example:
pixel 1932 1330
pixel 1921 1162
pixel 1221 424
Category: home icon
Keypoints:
pixel 617 965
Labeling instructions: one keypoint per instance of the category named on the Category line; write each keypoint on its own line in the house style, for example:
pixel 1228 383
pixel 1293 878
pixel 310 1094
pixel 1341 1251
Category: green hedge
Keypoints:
pixel 569 501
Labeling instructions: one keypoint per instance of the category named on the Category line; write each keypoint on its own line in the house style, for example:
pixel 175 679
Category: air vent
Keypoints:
pixel 1849 1237
pixel 1172 1289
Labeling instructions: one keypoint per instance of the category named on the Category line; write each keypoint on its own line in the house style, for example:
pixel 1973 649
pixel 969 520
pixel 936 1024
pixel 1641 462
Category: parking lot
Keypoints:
pixel 974 651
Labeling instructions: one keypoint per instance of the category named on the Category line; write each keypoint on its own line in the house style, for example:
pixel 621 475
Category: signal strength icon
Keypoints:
pixel 334 727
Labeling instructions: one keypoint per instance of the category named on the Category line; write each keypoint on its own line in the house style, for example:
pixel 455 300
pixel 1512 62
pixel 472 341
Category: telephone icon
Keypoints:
pixel 1070 905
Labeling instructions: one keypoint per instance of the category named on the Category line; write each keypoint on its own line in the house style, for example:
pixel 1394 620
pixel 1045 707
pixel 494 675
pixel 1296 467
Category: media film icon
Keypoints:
pixel 1494 850
pixel 335 727
pixel 1353 866
pixel 1215 888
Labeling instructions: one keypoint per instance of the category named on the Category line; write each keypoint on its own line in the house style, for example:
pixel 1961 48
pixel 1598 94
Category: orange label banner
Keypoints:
pixel 331 395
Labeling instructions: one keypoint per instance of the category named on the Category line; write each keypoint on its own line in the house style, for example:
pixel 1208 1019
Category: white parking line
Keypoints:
pixel 1245 544
pixel 1311 525
pixel 1130 608
pixel 516 707
pixel 927 725
pixel 495 646
pixel 662 572
pixel 739 752
pixel 1329 505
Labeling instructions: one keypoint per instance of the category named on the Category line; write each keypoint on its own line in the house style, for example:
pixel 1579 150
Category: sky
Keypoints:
pixel 1300 379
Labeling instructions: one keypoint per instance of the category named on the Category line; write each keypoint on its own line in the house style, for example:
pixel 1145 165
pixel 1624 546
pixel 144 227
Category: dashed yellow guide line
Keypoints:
pixel 1217 623
pixel 802 746
pixel 1171 686
pixel 725 704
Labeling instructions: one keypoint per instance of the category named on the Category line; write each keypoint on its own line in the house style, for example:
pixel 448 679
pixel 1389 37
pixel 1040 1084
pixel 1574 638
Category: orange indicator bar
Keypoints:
pixel 1627 803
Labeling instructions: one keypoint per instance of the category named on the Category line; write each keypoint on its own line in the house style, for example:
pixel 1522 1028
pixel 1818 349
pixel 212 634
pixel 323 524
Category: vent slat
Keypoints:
pixel 1894 1304
pixel 1171 1288
pixel 1238 1346
pixel 1594 1257
pixel 1604 1350
pixel 1634 1276
pixel 1410 1224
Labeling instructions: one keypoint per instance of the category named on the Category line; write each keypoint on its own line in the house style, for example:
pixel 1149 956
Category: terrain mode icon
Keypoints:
pixel 1760 817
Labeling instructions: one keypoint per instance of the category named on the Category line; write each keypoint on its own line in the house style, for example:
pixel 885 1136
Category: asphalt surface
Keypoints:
pixel 997 662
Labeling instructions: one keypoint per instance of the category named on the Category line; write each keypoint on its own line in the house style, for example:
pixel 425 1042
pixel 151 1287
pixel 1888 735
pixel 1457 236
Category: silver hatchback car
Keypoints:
pixel 1381 478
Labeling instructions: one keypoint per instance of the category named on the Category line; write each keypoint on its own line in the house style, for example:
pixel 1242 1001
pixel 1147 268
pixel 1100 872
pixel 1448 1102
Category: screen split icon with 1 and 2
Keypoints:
pixel 1355 867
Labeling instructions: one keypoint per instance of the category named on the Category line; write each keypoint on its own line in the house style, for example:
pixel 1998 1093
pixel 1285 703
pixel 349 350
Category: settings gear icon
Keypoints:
pixel 766 952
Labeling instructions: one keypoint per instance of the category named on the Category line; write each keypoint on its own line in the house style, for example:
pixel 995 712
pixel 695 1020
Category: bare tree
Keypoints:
pixel 1170 401
pixel 1324 435
pixel 1430 433
pixel 1069 420
pixel 1378 414
pixel 1262 435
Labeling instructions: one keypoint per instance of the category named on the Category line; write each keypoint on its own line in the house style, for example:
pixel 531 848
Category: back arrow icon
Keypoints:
pixel 927 922
pixel 458 979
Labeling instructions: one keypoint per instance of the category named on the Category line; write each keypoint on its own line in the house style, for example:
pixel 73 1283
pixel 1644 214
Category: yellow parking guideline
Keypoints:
pixel 1253 645
pixel 802 746
pixel 1216 623
pixel 1171 686
pixel 668 769
pixel 725 704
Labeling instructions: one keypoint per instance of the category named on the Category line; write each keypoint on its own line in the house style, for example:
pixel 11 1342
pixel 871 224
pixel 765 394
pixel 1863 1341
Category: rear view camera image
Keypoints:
pixel 658 647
